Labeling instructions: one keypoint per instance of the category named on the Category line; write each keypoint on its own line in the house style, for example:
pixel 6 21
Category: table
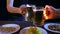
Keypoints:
pixel 22 25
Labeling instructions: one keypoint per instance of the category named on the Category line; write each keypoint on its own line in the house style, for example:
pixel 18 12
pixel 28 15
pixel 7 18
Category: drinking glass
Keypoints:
pixel 30 14
pixel 35 15
pixel 38 16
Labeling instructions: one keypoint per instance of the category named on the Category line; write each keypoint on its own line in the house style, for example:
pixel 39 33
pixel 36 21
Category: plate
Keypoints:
pixel 4 33
pixel 46 27
pixel 41 29
pixel 12 25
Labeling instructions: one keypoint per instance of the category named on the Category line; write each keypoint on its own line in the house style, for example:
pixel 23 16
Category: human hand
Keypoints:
pixel 23 9
pixel 49 12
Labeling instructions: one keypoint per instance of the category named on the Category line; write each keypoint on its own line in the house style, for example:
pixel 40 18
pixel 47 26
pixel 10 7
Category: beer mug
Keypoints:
pixel 30 14
pixel 35 15
pixel 38 16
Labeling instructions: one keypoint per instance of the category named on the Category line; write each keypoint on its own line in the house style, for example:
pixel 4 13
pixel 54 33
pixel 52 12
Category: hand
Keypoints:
pixel 23 9
pixel 49 12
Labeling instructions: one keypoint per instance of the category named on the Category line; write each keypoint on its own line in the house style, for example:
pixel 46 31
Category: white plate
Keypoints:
pixel 41 29
pixel 46 27
pixel 12 25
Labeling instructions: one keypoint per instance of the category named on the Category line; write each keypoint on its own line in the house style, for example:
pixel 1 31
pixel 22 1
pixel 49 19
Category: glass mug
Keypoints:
pixel 30 14
pixel 35 15
pixel 38 17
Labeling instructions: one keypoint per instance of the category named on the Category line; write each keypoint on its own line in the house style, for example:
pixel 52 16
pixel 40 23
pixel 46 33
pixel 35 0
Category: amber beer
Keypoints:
pixel 30 13
pixel 39 17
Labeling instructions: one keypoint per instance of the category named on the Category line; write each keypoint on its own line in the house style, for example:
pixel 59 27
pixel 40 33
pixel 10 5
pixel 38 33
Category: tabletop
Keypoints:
pixel 24 24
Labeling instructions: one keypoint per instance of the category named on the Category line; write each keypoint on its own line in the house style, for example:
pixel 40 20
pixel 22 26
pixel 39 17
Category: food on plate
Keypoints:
pixel 32 30
pixel 54 27
pixel 8 29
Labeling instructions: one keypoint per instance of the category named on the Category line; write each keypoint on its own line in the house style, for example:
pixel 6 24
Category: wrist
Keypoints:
pixel 19 11
pixel 56 13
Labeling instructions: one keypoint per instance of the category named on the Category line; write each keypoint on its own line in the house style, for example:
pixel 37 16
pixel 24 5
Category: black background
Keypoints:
pixel 4 15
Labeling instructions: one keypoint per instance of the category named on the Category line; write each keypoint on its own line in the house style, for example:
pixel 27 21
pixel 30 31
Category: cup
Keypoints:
pixel 38 16
pixel 30 13
pixel 35 14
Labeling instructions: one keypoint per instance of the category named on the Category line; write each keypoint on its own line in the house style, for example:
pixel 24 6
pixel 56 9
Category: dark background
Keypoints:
pixel 4 15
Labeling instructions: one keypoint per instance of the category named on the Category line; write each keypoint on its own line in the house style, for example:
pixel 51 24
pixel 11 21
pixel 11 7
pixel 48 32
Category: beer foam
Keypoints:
pixel 37 10
pixel 28 5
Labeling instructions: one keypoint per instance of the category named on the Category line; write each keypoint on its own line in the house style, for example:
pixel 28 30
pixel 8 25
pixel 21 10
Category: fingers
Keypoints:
pixel 49 11
pixel 23 9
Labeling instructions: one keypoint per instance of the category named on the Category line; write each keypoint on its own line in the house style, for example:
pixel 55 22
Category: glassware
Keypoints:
pixel 30 14
pixel 38 16
pixel 35 15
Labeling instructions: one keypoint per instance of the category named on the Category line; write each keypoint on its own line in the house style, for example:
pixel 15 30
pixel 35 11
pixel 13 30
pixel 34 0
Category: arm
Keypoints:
pixel 51 12
pixel 57 13
pixel 12 9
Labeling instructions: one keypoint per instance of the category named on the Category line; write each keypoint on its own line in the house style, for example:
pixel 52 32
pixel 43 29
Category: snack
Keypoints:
pixel 8 29
pixel 54 27
pixel 32 30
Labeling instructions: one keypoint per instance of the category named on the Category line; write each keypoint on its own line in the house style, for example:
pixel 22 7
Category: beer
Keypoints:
pixel 38 18
pixel 30 13
pixel 35 16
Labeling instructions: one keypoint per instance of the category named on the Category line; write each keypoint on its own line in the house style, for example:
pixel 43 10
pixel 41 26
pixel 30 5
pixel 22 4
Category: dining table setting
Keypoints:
pixel 34 23
pixel 22 26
